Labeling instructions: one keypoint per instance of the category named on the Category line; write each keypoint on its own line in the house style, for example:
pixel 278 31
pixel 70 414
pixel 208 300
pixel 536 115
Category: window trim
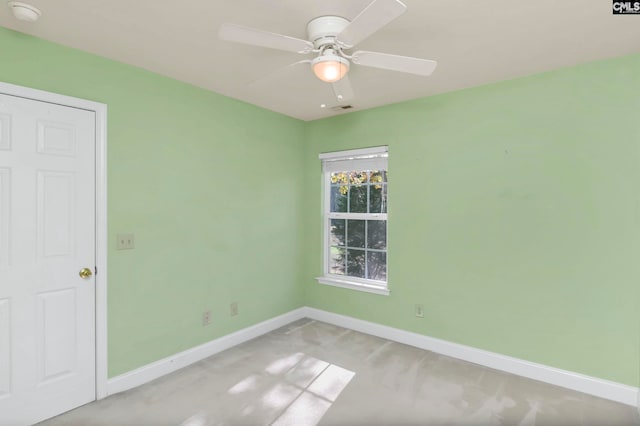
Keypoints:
pixel 344 281
pixel 352 284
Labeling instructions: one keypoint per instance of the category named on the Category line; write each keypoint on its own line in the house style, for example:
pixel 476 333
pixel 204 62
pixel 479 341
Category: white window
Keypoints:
pixel 355 219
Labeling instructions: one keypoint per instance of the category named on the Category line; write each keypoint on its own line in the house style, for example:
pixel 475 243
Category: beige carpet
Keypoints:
pixel 311 373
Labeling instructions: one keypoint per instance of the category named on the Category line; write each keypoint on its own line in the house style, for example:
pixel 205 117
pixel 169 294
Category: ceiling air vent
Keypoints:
pixel 341 107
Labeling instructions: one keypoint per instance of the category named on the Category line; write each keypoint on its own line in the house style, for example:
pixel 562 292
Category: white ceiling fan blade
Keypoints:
pixel 386 61
pixel 343 90
pixel 375 16
pixel 255 37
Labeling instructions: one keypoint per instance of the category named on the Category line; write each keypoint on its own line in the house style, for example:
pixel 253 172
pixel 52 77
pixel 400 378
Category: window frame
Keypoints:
pixel 377 154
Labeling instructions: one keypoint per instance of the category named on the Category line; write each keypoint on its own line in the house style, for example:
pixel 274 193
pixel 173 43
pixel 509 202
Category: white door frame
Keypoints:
pixel 100 111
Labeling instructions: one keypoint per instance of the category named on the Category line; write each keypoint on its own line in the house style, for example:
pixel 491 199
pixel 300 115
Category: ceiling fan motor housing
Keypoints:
pixel 322 31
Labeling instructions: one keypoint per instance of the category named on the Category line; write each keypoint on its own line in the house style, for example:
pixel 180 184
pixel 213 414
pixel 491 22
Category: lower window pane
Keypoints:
pixel 355 233
pixel 355 263
pixel 338 229
pixel 336 260
pixel 377 266
pixel 377 234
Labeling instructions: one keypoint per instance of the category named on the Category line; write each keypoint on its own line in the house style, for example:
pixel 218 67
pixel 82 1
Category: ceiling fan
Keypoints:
pixel 330 38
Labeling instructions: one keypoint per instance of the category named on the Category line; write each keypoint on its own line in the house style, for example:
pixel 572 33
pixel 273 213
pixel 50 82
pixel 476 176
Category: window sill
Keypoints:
pixel 352 285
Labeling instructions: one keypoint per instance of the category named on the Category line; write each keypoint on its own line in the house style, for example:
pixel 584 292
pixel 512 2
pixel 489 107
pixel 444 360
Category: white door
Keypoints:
pixel 47 236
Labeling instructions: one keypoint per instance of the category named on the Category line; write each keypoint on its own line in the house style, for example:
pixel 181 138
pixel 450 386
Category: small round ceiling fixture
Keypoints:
pixel 24 11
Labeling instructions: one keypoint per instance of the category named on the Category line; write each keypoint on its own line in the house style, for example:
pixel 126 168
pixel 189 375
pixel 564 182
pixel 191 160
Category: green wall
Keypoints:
pixel 209 185
pixel 514 210
pixel 513 216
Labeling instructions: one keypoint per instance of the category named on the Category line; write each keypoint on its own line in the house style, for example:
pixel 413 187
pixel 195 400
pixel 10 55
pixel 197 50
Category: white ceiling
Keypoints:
pixel 474 41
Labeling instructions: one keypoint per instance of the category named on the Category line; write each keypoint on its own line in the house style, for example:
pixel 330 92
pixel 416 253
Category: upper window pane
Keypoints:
pixel 358 198
pixel 339 198
pixel 378 176
pixel 378 198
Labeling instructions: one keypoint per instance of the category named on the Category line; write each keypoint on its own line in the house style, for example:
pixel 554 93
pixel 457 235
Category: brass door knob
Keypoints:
pixel 85 273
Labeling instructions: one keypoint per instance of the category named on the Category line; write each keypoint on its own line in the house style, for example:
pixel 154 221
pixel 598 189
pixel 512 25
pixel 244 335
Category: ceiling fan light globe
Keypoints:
pixel 330 69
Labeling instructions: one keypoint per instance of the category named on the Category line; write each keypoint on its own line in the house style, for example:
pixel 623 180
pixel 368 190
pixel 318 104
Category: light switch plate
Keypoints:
pixel 124 242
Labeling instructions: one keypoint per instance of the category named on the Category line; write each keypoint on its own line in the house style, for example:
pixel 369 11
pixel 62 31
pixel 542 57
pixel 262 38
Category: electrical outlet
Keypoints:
pixel 124 242
pixel 419 309
pixel 206 318
pixel 234 309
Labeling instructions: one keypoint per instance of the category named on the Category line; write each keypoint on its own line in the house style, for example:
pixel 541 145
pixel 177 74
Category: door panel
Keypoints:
pixel 47 235
pixel 56 317
pixel 55 213
pixel 56 139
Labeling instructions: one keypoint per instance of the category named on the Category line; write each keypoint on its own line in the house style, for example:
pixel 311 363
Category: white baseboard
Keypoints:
pixel 149 372
pixel 590 385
